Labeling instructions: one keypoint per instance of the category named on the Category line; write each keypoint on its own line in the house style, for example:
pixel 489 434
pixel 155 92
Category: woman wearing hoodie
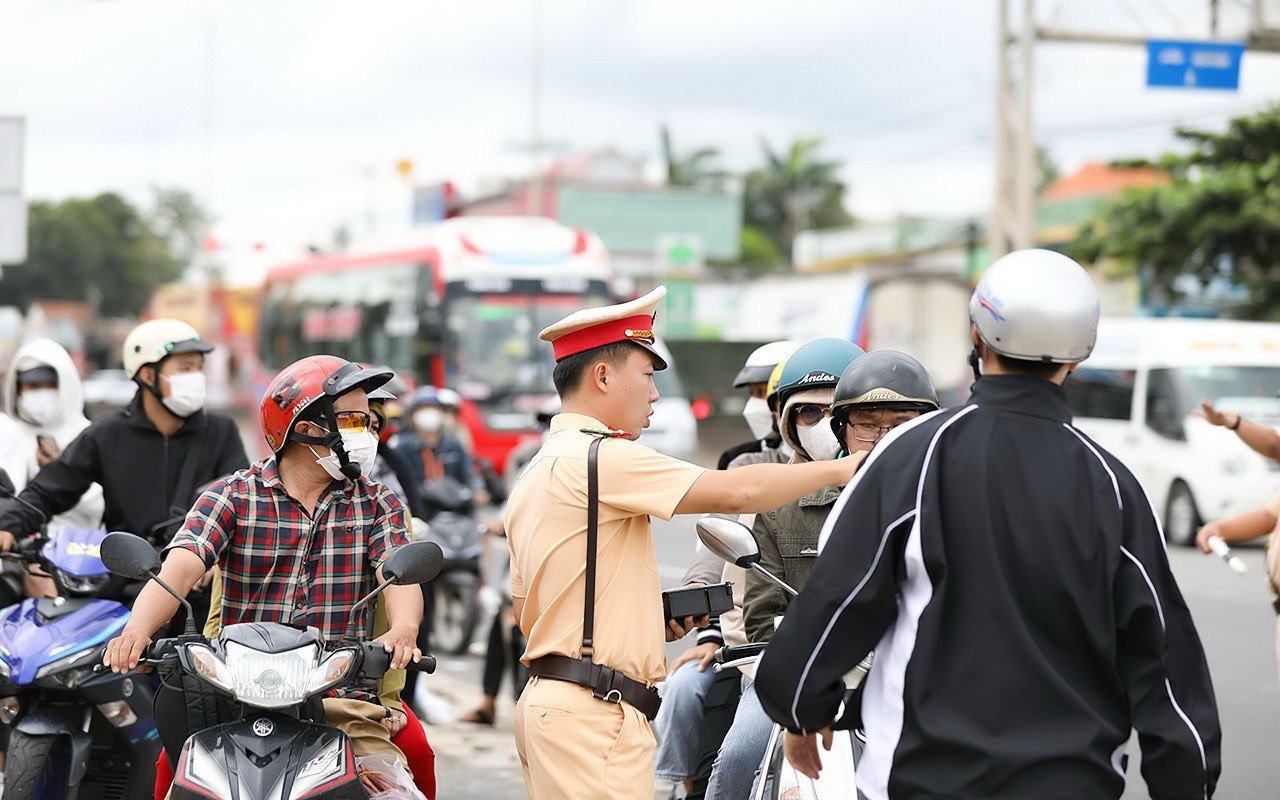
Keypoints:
pixel 43 396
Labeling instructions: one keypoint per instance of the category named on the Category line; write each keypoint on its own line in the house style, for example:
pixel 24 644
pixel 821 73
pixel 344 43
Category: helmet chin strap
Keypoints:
pixel 975 362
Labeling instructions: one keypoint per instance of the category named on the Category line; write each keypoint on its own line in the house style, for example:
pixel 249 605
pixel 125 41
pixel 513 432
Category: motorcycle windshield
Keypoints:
pixel 76 551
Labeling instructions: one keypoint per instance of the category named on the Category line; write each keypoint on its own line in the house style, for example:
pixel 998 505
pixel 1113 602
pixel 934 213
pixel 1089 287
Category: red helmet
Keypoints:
pixel 302 384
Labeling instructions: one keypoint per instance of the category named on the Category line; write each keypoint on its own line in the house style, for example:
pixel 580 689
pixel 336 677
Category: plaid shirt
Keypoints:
pixel 280 565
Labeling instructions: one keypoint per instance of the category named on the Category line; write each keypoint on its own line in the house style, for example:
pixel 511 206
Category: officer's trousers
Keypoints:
pixel 575 747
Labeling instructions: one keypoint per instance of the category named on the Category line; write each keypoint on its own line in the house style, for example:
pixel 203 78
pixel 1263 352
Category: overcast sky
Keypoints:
pixel 275 113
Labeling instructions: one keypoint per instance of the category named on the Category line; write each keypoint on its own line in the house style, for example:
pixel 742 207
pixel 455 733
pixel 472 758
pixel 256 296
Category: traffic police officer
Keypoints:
pixel 584 578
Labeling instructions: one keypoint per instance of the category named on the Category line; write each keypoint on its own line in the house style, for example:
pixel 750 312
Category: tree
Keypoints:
pixel 697 168
pixel 794 191
pixel 1218 216
pixel 99 249
pixel 1046 168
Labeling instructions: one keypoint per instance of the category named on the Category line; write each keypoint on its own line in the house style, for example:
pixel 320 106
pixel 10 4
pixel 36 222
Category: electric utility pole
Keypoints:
pixel 1013 206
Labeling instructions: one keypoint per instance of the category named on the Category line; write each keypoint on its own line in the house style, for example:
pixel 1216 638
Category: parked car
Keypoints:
pixel 672 428
pixel 1135 396
pixel 109 387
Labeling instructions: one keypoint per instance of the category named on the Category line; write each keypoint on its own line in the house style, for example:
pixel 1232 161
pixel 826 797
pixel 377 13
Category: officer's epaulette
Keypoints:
pixel 608 433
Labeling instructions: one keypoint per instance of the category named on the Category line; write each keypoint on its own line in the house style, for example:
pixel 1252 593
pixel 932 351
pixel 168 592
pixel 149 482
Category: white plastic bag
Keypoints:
pixel 390 775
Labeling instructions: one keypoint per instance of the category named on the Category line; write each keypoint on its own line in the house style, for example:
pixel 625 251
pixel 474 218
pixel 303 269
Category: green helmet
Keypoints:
pixel 817 364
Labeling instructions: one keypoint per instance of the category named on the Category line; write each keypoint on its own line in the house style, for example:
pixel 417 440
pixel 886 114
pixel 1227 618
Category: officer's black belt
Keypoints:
pixel 605 683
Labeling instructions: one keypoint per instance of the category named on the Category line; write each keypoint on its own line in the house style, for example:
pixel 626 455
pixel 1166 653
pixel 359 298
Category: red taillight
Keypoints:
pixel 469 245
pixel 580 243
pixel 701 408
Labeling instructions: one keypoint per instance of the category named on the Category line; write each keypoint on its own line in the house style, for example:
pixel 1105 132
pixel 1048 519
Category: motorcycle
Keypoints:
pixel 74 734
pixel 455 606
pixel 776 779
pixel 281 748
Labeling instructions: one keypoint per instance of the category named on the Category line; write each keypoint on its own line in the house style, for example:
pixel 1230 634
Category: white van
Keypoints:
pixel 1135 396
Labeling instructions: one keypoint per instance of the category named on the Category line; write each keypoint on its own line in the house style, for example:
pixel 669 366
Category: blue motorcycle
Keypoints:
pixel 74 734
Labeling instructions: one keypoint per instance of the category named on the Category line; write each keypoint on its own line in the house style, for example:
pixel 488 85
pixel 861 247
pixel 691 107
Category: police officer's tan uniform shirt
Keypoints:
pixel 546 522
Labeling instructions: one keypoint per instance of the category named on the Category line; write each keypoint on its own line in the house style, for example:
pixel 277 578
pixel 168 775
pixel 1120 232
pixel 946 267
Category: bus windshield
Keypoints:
pixel 495 348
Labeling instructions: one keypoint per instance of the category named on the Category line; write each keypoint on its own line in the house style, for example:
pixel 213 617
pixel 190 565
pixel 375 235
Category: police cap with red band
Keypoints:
pixel 596 327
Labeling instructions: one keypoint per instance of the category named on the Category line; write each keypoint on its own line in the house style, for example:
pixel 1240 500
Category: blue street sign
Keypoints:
pixel 1194 65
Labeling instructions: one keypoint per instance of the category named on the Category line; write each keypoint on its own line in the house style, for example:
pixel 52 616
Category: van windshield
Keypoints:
pixel 1225 385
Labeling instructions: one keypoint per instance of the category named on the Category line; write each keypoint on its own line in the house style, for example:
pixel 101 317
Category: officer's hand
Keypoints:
pixel 848 465
pixel 802 751
pixel 679 628
pixel 123 652
pixel 1202 536
pixel 703 653
pixel 1212 415
pixel 6 541
pixel 402 644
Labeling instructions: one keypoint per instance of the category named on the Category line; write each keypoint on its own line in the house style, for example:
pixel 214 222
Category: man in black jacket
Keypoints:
pixel 1011 577
pixel 153 456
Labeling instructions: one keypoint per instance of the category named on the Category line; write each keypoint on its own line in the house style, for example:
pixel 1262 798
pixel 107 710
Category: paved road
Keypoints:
pixel 1233 614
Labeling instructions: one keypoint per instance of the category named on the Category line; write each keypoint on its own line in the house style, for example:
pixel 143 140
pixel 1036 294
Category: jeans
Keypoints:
pixel 743 749
pixel 679 722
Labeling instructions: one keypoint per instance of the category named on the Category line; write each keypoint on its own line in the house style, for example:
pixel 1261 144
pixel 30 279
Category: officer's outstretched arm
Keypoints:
pixel 756 488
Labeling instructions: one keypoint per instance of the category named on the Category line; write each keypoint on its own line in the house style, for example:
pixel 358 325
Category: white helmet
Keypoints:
pixel 1036 305
pixel 157 339
pixel 763 359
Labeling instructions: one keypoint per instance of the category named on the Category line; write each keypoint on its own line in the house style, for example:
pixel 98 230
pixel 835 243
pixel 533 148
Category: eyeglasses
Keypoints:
pixel 349 420
pixel 809 414
pixel 867 432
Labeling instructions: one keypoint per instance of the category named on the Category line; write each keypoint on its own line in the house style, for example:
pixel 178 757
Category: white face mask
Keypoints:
pixel 362 449
pixel 40 406
pixel 187 393
pixel 758 416
pixel 428 419
pixel 819 442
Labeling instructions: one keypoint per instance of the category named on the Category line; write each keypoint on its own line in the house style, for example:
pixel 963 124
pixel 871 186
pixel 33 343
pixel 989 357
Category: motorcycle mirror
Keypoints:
pixel 415 562
pixel 729 539
pixel 129 556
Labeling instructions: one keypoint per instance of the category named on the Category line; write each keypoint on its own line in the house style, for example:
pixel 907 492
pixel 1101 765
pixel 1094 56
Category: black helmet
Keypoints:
pixel 883 379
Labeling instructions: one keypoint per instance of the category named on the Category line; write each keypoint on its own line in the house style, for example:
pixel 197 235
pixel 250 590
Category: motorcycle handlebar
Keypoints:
pixel 739 652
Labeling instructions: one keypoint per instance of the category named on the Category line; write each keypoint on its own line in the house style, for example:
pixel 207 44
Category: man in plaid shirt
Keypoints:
pixel 299 537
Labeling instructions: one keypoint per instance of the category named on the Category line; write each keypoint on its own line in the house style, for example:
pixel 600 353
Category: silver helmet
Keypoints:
pixel 1036 305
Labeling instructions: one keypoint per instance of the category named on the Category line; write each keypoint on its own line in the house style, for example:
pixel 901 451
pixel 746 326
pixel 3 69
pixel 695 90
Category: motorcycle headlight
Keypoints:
pixel 68 671
pixel 82 584
pixel 271 680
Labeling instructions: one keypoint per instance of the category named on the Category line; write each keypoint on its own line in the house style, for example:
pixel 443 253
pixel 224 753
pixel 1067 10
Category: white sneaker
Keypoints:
pixel 431 709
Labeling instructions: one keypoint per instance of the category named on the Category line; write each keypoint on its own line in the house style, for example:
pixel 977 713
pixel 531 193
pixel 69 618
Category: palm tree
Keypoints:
pixel 794 191
pixel 697 168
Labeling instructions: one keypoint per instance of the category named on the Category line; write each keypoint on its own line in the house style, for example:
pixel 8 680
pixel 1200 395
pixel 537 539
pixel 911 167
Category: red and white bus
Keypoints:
pixel 457 304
